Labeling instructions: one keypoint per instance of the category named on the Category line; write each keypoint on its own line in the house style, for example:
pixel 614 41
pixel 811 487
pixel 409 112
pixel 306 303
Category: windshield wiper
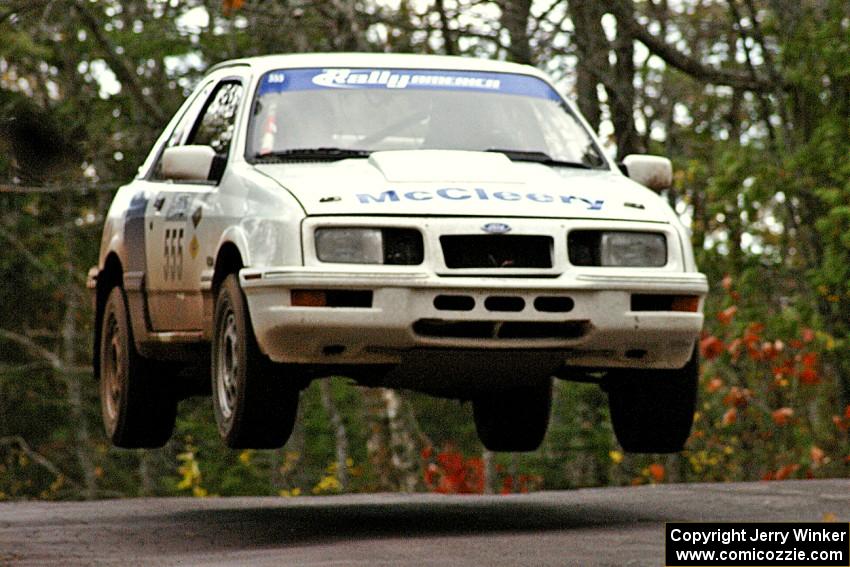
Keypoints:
pixel 539 157
pixel 311 154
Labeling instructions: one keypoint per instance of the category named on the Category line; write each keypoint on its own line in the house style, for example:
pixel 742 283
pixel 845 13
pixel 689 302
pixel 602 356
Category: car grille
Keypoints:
pixel 540 330
pixel 496 251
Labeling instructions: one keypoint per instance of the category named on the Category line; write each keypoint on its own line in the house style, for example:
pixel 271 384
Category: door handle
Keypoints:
pixel 159 202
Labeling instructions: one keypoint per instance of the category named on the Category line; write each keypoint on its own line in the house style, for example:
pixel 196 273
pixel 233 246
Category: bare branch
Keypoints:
pixel 38 458
pixel 35 261
pixel 119 65
pixel 28 189
pixel 34 349
pixel 687 64
pixel 340 433
pixel 538 20
pixel 448 37
pixel 764 102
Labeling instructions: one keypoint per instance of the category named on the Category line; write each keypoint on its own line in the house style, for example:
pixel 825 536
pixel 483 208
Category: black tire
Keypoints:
pixel 254 407
pixel 138 406
pixel 652 411
pixel 515 420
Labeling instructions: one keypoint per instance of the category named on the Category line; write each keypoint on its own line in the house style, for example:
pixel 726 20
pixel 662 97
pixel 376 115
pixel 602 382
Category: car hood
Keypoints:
pixel 442 182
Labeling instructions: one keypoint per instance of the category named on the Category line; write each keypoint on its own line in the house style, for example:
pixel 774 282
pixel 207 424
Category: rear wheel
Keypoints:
pixel 652 411
pixel 254 406
pixel 137 404
pixel 514 420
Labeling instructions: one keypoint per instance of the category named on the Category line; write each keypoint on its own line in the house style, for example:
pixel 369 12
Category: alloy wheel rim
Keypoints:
pixel 112 371
pixel 228 366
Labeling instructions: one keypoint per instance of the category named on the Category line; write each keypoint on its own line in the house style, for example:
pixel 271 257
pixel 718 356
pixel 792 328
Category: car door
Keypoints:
pixel 177 210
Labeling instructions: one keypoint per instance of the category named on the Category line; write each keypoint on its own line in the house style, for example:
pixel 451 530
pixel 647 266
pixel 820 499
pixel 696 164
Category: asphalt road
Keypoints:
pixel 606 526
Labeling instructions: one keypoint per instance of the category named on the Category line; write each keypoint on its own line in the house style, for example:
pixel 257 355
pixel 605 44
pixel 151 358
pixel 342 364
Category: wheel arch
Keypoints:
pixel 228 260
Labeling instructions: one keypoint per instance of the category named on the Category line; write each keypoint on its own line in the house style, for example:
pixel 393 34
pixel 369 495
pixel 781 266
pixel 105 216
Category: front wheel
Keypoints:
pixel 514 420
pixel 138 405
pixel 254 407
pixel 652 411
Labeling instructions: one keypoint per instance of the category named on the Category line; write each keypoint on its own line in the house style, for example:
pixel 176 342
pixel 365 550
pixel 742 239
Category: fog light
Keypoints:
pixel 689 303
pixel 308 298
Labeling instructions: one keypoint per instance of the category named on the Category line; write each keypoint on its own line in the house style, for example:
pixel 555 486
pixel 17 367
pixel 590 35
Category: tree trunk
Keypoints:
pixel 405 457
pixel 340 434
pixel 391 443
pixel 350 36
pixel 73 386
pixel 592 51
pixel 146 477
pixel 449 42
pixel 377 440
pixel 515 15
pixel 621 89
pixel 489 471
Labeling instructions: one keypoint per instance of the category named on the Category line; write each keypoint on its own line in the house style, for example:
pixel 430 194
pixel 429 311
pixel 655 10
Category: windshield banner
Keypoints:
pixel 286 80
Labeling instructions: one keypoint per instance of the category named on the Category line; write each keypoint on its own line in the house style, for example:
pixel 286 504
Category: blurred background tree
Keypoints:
pixel 750 98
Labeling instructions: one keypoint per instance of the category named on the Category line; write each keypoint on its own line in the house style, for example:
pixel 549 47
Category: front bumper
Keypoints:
pixel 600 329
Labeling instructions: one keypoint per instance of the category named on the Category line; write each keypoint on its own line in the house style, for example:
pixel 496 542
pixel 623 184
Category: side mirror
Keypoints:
pixel 655 172
pixel 188 163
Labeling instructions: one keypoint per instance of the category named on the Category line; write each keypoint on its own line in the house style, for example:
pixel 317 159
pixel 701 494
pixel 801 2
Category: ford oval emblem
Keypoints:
pixel 496 228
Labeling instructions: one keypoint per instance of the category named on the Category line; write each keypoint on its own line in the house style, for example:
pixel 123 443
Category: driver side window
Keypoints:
pixel 209 121
pixel 181 130
pixel 215 129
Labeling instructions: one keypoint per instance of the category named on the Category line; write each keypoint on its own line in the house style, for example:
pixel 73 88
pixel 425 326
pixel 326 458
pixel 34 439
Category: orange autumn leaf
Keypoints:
pixel 754 352
pixel 847 412
pixel 730 417
pixel 817 455
pixel 713 385
pixel 770 350
pixel 752 340
pixel 229 6
pixel 755 328
pixel 657 472
pixel 734 348
pixel 727 282
pixel 785 370
pixel 711 347
pixel 725 317
pixel 452 473
pixel 782 416
pixel 809 376
pixel 786 471
pixel 809 359
pixel 430 474
pixel 737 397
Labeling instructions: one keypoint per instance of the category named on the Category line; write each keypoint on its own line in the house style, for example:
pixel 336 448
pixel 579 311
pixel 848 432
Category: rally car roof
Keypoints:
pixel 265 63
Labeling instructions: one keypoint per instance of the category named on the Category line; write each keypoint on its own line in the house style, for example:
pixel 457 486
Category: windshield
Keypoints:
pixel 387 109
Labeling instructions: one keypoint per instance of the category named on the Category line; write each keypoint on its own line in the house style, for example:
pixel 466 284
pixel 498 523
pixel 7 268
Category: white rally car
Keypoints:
pixel 441 224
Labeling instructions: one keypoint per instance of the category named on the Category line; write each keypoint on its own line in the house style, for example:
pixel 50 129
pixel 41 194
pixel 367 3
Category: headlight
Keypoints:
pixel 350 245
pixel 633 249
pixel 617 249
pixel 397 246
